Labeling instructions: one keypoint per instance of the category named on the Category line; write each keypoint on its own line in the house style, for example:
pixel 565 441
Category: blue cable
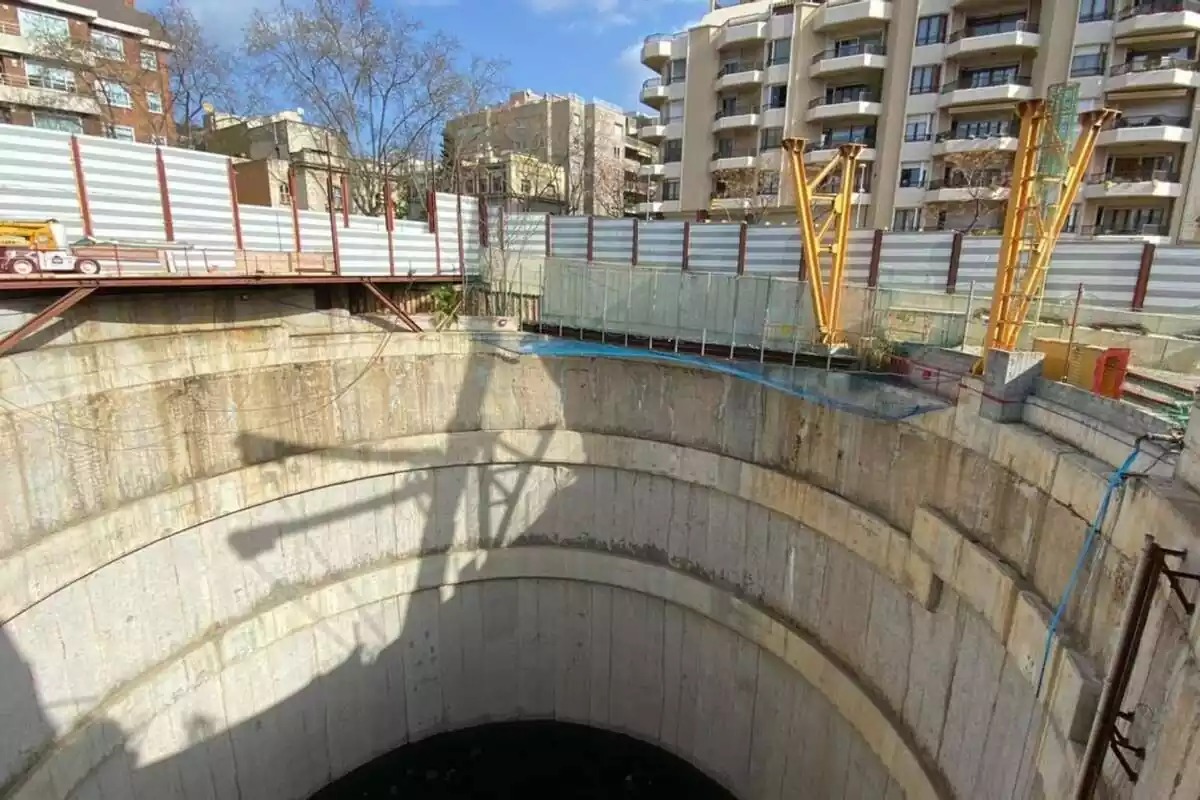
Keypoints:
pixel 1115 478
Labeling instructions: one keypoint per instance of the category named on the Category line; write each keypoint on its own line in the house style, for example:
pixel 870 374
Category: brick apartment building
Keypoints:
pixel 85 66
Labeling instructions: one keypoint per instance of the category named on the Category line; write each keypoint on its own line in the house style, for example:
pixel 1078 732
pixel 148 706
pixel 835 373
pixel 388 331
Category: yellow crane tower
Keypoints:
pixel 1044 184
pixel 826 295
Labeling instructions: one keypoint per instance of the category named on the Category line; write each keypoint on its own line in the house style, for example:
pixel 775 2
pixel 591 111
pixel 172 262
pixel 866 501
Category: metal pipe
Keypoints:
pixel 1119 668
pixel 1074 322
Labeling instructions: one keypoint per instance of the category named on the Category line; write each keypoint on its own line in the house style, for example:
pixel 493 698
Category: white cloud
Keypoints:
pixel 607 13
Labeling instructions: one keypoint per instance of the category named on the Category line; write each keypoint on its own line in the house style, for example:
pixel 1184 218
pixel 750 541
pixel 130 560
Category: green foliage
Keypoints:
pixel 445 299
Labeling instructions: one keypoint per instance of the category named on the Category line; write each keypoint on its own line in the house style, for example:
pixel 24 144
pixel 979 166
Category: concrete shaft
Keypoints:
pixel 240 559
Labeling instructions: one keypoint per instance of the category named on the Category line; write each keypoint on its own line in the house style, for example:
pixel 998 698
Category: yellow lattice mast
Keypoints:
pixel 1044 184
pixel 826 295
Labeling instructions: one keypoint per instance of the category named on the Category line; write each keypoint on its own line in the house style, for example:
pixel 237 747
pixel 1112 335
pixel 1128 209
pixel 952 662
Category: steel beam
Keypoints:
pixel 209 281
pixel 390 306
pixel 35 322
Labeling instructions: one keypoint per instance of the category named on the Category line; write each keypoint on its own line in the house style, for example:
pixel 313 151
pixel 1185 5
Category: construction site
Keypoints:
pixel 817 512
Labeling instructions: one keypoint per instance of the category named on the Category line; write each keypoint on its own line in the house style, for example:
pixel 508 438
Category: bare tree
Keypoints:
pixel 982 176
pixel 373 76
pixel 747 191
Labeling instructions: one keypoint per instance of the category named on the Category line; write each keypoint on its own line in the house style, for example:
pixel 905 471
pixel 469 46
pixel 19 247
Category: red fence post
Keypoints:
pixel 955 256
pixel 345 202
pixel 389 224
pixel 687 245
pixel 1142 285
pixel 164 195
pixel 295 206
pixel 233 202
pixel 591 237
pixel 462 258
pixel 434 228
pixel 333 232
pixel 741 261
pixel 85 209
pixel 633 255
pixel 547 234
pixel 876 252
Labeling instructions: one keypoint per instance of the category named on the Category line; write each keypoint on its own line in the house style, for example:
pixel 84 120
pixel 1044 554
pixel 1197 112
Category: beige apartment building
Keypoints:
pixel 930 87
pixel 592 142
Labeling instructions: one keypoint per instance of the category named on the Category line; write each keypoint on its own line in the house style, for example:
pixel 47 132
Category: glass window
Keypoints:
pixel 122 132
pixel 40 25
pixel 114 94
pixel 993 76
pixel 931 29
pixel 678 71
pixel 1088 60
pixel 779 51
pixel 847 94
pixel 155 106
pixel 906 219
pixel 673 111
pixel 670 190
pixel 1094 10
pixel 109 45
pixel 924 79
pixel 771 139
pixel 149 60
pixel 916 128
pixel 859 134
pixel 912 174
pixel 57 122
pixel 777 96
pixel 44 76
pixel 672 151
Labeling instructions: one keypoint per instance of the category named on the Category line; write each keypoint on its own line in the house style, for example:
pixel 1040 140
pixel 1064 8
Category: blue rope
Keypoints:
pixel 1115 478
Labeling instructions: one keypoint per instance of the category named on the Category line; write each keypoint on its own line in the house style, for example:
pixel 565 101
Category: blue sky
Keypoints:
pixel 588 47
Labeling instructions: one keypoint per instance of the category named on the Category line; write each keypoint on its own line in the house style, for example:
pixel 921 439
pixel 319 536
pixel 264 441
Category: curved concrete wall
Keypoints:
pixel 182 502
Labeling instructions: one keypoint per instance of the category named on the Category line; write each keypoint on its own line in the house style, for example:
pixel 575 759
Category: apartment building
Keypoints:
pixel 589 140
pixel 930 88
pixel 86 66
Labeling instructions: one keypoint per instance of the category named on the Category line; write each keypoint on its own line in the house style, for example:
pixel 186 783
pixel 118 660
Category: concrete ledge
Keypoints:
pixel 55 561
pixel 137 706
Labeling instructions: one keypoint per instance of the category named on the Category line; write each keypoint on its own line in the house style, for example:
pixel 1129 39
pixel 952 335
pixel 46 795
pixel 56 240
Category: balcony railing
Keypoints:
pixel 49 83
pixel 736 152
pixel 743 19
pixel 860 49
pixel 658 37
pixel 973 31
pixel 987 133
pixel 861 96
pixel 733 69
pixel 972 82
pixel 1151 64
pixel 737 111
pixel 651 83
pixel 920 136
pixel 982 183
pixel 1151 121
pixel 1157 7
pixel 831 144
pixel 1151 229
pixel 1133 176
pixel 10 28
pixel 1095 16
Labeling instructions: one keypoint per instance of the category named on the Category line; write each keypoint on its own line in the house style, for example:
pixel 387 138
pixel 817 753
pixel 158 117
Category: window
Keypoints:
pixel 678 71
pixel 771 139
pixel 154 104
pixel 39 25
pixel 108 45
pixel 672 151
pixel 285 194
pixel 43 76
pixel 931 29
pixel 982 128
pixel 993 76
pixel 906 219
pixel 916 128
pixel 672 111
pixel 1095 10
pixel 1088 60
pixel 114 94
pixel 912 174
pixel 847 94
pixel 1072 223
pixel 853 134
pixel 57 122
pixel 777 96
pixel 121 132
pixel 779 51
pixel 670 190
pixel 149 60
pixel 769 183
pixel 924 79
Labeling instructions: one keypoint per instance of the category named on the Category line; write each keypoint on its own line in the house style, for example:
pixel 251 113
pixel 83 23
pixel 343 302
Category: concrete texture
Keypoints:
pixel 186 512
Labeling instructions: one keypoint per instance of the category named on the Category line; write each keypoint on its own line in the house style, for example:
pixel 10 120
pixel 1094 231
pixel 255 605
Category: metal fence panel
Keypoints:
pixel 1107 270
pixel 612 240
pixel 315 234
pixel 201 206
pixel 122 189
pixel 660 243
pixel 858 256
pixel 447 232
pixel 914 260
pixel 977 262
pixel 37 180
pixel 1174 286
pixel 568 237
pixel 266 228
pixel 773 249
pixel 713 248
pixel 362 247
pixel 415 253
pixel 525 233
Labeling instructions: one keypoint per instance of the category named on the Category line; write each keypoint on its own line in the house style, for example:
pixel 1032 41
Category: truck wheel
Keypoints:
pixel 22 266
pixel 87 266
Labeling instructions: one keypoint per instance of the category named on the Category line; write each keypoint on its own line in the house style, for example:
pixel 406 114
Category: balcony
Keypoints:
pixel 11 40
pixel 652 170
pixel 654 132
pixel 741 30
pixel 960 189
pixel 1002 137
pixel 18 90
pixel 821 151
pixel 1158 17
pixel 971 89
pixel 1142 183
pixel 1152 73
pixel 1111 229
pixel 746 116
pixel 734 158
pixel 1000 37
pixel 860 104
pixel 1154 129
pixel 732 76
pixel 658 207
pixel 843 15
pixel 869 55
pixel 656 50
pixel 654 93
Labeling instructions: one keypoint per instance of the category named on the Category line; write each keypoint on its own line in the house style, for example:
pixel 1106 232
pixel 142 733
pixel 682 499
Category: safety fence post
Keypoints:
pixel 952 267
pixel 1142 285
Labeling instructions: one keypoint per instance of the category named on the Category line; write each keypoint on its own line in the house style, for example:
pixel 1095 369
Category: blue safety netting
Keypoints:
pixel 875 395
